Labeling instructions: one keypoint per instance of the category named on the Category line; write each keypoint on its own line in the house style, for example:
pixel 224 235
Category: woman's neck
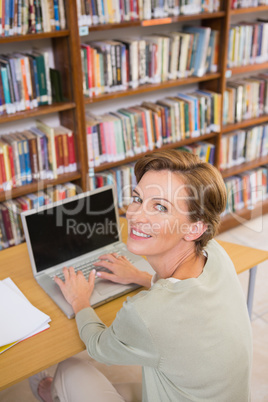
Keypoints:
pixel 183 265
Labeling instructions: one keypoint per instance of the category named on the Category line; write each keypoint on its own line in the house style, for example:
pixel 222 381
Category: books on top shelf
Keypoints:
pixel 245 99
pixel 247 3
pixel 11 231
pixel 26 82
pixel 246 189
pixel 29 17
pixel 115 65
pixel 20 319
pixel 248 43
pixel 243 146
pixel 39 153
pixel 115 136
pixel 93 12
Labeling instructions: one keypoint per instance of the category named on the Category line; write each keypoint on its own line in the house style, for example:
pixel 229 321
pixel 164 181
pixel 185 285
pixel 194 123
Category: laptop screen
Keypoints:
pixel 69 230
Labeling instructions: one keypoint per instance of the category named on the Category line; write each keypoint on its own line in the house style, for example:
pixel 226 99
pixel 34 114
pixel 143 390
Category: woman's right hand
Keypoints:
pixel 122 271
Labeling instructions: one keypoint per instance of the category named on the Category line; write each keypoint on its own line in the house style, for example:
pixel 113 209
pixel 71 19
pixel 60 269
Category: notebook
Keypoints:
pixel 75 232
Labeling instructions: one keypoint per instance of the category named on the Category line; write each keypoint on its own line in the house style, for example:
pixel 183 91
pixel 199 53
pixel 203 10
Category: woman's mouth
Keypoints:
pixel 139 234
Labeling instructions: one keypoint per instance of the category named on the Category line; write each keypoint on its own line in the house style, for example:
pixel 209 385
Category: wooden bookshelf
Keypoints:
pixel 241 216
pixel 37 186
pixel 36 36
pixel 245 123
pixel 187 141
pixel 39 111
pixel 152 87
pixel 243 167
pixel 156 21
pixel 216 82
pixel 248 10
pixel 67 59
pixel 249 68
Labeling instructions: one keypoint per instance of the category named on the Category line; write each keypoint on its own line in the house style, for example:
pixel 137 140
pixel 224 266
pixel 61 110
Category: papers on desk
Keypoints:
pixel 19 318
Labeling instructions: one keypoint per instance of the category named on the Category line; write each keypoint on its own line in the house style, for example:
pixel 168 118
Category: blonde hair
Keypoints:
pixel 200 178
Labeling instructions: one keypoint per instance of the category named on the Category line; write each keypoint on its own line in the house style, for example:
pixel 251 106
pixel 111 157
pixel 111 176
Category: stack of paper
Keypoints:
pixel 19 318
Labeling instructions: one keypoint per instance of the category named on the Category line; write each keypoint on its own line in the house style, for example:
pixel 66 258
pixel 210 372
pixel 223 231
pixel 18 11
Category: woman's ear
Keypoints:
pixel 195 230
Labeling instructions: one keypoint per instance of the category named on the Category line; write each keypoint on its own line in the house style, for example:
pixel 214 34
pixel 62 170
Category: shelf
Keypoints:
pixel 38 186
pixel 248 10
pixel 151 87
pixel 156 21
pixel 245 123
pixel 37 36
pixel 249 68
pixel 238 217
pixel 42 110
pixel 172 145
pixel 244 167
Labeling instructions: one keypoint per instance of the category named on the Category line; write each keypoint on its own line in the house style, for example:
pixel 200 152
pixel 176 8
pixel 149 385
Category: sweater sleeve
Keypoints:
pixel 127 341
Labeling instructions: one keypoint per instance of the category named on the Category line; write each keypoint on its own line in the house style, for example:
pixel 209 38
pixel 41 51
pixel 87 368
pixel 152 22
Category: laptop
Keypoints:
pixel 75 232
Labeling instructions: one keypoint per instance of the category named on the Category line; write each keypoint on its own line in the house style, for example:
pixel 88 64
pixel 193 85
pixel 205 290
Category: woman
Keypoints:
pixel 190 331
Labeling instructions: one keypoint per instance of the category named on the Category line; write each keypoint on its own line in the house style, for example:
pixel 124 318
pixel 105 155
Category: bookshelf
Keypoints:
pixel 65 45
pixel 221 21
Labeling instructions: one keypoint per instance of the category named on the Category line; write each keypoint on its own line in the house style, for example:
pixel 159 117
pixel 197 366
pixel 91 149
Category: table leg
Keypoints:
pixel 251 286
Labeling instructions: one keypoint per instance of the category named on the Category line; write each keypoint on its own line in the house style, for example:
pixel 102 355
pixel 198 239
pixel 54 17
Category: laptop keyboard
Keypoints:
pixel 86 267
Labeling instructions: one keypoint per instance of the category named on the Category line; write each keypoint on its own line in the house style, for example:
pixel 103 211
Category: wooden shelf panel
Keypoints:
pixel 37 36
pixel 249 68
pixel 156 21
pixel 38 186
pixel 232 220
pixel 245 123
pixel 248 10
pixel 42 110
pixel 151 87
pixel 187 141
pixel 244 167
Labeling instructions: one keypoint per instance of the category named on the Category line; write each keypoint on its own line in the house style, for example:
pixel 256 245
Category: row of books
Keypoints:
pixel 245 99
pixel 115 136
pixel 114 65
pixel 93 12
pixel 246 189
pixel 248 43
pixel 243 146
pixel 40 153
pixel 247 3
pixel 27 81
pixel 11 231
pixel 204 150
pixel 124 180
pixel 22 17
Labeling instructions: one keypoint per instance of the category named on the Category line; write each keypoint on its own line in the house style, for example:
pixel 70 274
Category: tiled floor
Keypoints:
pixel 255 235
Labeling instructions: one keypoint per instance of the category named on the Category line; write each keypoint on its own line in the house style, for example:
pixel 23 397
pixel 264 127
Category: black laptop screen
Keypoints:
pixel 72 229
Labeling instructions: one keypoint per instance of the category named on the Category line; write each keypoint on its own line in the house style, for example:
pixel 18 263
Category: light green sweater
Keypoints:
pixel 192 337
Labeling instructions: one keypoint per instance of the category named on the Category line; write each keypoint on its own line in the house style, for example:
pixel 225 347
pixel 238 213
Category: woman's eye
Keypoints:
pixel 136 199
pixel 161 208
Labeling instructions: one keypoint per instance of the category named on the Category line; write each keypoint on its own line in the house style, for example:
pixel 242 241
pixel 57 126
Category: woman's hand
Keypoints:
pixel 122 271
pixel 76 289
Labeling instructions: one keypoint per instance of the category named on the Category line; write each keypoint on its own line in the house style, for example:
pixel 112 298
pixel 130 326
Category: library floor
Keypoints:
pixel 255 235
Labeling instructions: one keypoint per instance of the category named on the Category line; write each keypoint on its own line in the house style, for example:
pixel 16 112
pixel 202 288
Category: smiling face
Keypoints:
pixel 158 218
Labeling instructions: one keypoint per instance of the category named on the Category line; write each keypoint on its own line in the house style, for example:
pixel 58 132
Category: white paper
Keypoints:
pixel 19 318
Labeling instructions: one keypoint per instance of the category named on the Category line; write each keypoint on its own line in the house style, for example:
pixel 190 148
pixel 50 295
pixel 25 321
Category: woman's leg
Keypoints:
pixel 78 380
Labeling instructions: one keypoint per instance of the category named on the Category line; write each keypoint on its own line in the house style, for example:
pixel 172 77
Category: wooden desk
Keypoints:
pixel 61 340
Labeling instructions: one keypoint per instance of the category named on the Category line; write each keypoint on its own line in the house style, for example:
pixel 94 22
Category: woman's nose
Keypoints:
pixel 137 214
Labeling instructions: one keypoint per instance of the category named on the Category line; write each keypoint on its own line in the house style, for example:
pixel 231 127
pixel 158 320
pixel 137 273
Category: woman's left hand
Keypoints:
pixel 76 289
